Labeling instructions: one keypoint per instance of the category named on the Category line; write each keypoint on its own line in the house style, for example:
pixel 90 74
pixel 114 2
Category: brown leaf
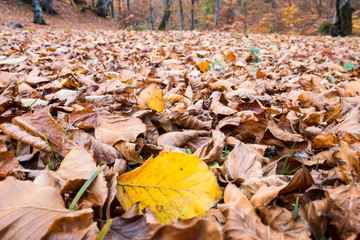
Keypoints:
pixel 17 133
pixel 72 228
pixel 177 139
pixel 301 181
pixel 317 206
pixel 192 122
pixel 242 226
pixel 129 226
pixel 112 128
pixel 213 148
pixel 77 167
pixel 242 164
pixel 344 213
pixel 8 162
pixel 349 163
pixel 197 229
pixel 282 134
pixel 130 151
pixel 281 220
pixel 32 211
pixel 324 141
pixel 235 198
pixel 219 104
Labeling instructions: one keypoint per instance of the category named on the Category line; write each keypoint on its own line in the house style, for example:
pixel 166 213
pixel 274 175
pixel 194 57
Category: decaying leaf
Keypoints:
pixel 174 185
pixel 344 213
pixel 242 164
pixel 152 97
pixel 31 211
pixel 112 128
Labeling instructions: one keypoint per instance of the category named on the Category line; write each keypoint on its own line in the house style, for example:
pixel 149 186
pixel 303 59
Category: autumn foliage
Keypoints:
pixel 178 135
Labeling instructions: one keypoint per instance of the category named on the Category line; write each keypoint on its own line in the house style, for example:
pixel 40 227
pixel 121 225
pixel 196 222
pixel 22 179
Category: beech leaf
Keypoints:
pixel 174 185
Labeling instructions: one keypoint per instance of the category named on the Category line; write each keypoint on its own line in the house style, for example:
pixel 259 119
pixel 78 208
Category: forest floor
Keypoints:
pixel 249 136
pixel 69 17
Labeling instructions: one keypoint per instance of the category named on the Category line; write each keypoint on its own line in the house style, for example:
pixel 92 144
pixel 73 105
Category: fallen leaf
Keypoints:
pixel 301 181
pixel 152 97
pixel 174 185
pixel 344 213
pixel 13 60
pixel 242 164
pixel 32 211
pixel 230 58
pixel 112 128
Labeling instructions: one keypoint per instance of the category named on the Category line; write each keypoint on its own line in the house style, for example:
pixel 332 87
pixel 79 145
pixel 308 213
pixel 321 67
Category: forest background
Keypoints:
pixel 292 17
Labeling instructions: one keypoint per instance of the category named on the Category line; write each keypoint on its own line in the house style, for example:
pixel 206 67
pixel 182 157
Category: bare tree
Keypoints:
pixel 38 15
pixel 128 5
pixel 151 16
pixel 166 14
pixel 192 15
pixel 342 23
pixel 217 10
pixel 48 7
pixel 181 15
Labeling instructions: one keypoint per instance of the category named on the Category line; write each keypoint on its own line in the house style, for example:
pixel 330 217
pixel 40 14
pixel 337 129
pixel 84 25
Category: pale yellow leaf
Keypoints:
pixel 173 185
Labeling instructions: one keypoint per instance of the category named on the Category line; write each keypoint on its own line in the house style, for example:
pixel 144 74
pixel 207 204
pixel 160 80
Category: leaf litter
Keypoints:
pixel 211 136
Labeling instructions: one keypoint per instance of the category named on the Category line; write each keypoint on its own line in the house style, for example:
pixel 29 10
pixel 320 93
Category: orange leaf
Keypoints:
pixel 204 66
pixel 152 97
pixel 230 58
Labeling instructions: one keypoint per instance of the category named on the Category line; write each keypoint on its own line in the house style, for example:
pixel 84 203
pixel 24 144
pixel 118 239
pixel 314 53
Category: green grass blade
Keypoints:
pixel 283 170
pixel 293 170
pixel 104 230
pixel 52 155
pixel 85 186
pixel 317 165
pixel 296 208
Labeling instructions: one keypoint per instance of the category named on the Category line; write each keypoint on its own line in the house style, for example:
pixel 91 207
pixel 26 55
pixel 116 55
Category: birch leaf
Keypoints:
pixel 174 185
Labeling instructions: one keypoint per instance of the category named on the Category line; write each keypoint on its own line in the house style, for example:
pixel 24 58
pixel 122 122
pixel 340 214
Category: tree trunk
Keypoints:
pixel 273 5
pixel 48 7
pixel 166 15
pixel 128 5
pixel 217 10
pixel 151 17
pixel 112 13
pixel 192 15
pixel 38 15
pixel 320 8
pixel 181 15
pixel 342 23
pixel 101 8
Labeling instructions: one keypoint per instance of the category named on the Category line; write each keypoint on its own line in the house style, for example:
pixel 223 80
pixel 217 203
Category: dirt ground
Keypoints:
pixel 69 17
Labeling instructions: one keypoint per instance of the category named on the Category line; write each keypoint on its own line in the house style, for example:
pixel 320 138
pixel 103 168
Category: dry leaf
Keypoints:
pixel 152 97
pixel 32 211
pixel 174 185
pixel 242 164
pixel 112 128
pixel 344 213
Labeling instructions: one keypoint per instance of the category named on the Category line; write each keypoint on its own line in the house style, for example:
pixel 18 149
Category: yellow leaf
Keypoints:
pixel 204 66
pixel 152 97
pixel 173 185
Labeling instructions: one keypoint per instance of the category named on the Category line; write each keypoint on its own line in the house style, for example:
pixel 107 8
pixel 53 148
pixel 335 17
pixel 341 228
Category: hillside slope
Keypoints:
pixel 69 16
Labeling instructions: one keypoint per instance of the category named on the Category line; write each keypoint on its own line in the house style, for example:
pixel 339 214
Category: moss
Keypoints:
pixel 346 22
pixel 325 27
